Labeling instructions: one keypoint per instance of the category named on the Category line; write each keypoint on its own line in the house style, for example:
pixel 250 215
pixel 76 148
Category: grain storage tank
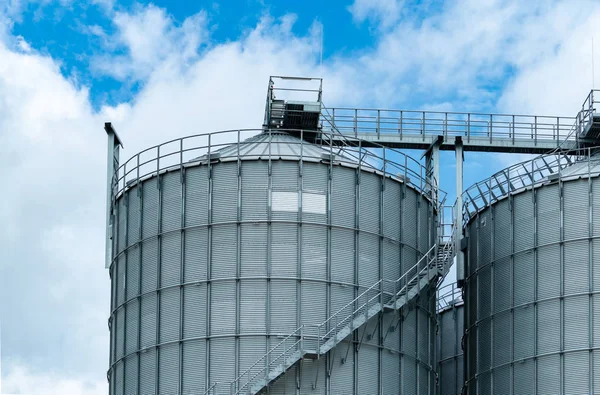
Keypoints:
pixel 450 309
pixel 222 250
pixel 533 277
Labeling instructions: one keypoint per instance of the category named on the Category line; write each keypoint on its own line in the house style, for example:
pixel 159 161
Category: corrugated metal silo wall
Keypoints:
pixel 213 266
pixel 450 354
pixel 532 298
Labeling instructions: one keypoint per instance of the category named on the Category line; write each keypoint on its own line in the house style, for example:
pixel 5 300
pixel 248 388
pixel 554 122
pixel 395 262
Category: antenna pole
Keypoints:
pixel 593 72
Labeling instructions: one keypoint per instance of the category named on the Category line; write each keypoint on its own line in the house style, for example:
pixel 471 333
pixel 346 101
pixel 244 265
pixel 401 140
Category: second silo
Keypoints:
pixel 450 365
pixel 533 279
pixel 219 258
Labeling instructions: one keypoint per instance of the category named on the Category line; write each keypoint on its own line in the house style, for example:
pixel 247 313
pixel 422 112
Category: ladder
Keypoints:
pixel 313 341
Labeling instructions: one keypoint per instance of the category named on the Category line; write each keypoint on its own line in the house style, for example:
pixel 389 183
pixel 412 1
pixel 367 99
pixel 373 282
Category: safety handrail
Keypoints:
pixel 212 389
pixel 447 296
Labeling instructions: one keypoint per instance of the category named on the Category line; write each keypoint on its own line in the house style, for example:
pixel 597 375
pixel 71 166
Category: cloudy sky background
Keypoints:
pixel 160 71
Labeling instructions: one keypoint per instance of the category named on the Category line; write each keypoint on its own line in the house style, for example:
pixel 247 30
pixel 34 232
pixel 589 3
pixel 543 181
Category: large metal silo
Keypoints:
pixel 533 278
pixel 450 366
pixel 222 250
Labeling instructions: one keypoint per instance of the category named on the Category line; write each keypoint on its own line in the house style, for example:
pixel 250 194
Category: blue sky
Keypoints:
pixel 167 69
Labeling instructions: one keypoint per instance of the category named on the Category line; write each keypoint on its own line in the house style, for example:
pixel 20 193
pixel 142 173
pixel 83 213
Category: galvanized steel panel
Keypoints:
pixel 577 375
pixel 576 262
pixel 221 368
pixel 312 308
pixel 120 333
pixel 149 208
pixel 502 383
pixel 485 239
pixel 314 195
pixel 121 216
pixel 576 325
pixel 501 286
pixel 524 222
pixel 224 251
pixel 523 373
pixel 253 306
pixel 524 278
pixel 196 196
pixel 484 304
pixel 148 373
pixel 194 367
pixel 502 229
pixel 133 272
pixel 170 259
pixel 284 250
pixel 148 324
pixel 368 364
pixel 391 260
pixel 502 338
pixel 548 215
pixel 120 280
pixel 255 198
pixel 409 219
pixel 195 254
pixel 222 308
pixel 368 259
pixel 169 314
pixel 342 381
pixel 370 195
pixel 254 250
pixel 171 201
pixel 131 326
pixel 576 207
pixel 133 219
pixel 168 369
pixel 224 192
pixel 194 311
pixel 149 264
pixel 392 196
pixel 548 374
pixel 342 255
pixel 131 374
pixel 252 348
pixel 409 377
pixel 524 332
pixel 484 343
pixel 548 331
pixel 343 197
pixel 549 271
pixel 283 306
pixel 118 378
pixel 314 251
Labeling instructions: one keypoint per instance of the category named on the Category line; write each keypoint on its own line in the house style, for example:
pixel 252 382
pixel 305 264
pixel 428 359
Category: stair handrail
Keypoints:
pixel 267 365
pixel 211 388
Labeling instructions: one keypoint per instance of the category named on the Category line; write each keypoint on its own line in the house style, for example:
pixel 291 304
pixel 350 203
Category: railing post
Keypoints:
pixel 400 123
pixel 378 123
pixel 356 122
pixel 423 125
pixel 469 128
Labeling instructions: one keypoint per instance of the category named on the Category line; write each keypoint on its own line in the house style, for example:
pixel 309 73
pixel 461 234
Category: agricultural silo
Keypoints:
pixel 223 251
pixel 450 365
pixel 533 278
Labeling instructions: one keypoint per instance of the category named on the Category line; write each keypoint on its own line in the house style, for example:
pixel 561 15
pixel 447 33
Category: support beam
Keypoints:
pixel 460 259
pixel 112 163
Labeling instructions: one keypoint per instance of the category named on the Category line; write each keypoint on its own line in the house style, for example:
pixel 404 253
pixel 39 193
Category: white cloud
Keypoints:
pixel 19 380
pixel 383 12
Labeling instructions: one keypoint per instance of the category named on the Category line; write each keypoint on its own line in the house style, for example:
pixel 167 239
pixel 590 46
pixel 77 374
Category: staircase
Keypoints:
pixel 313 341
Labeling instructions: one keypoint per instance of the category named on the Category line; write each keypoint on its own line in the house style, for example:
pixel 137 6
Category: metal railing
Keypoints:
pixel 321 338
pixel 448 296
pixel 212 390
pixel 356 121
pixel 210 147
pixel 586 116
pixel 539 170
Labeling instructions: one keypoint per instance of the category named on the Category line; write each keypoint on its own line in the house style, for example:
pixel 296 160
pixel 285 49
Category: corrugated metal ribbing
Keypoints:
pixel 596 263
pixel 576 206
pixel 424 224
pixel 314 251
pixel 484 382
pixel 423 336
pixel 315 182
pixel 221 368
pixel 524 278
pixel 133 272
pixel 502 380
pixel 148 324
pixel 251 349
pixel 502 337
pixel 194 311
pixel 169 315
pixel 149 262
pixel 255 178
pixel 548 215
pixel 409 222
pixel 224 255
pixel 448 378
pixel 171 201
pixel 131 374
pixel 133 219
pixel 576 325
pixel 485 240
pixel 548 326
pixel 390 358
pixel 170 259
pixel 148 371
pixel 368 265
pixel 121 216
pixel 391 203
pixel 596 313
pixel 311 370
pixel 119 373
pixel 342 255
pixel 502 229
pixel 548 374
pixel 312 309
pixel 391 260
pixel 523 373
pixel 120 333
pixel 484 351
pixel 131 320
pixel 524 331
pixel 485 294
pixel 225 192
pixel 370 190
pixel 120 280
pixel 524 226
pixel 285 185
pixel 548 271
pixel 341 295
pixel 342 382
pixel 196 253
pixel 196 196
pixel 409 259
pixel 577 373
pixel 222 307
pixel 343 196
pixel 409 334
pixel 283 306
pixel 284 250
pixel 576 266
pixel 368 364
pixel 409 379
pixel 149 208
pixel 168 370
pixel 253 305
pixel 254 250
pixel 596 355
pixel 194 357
